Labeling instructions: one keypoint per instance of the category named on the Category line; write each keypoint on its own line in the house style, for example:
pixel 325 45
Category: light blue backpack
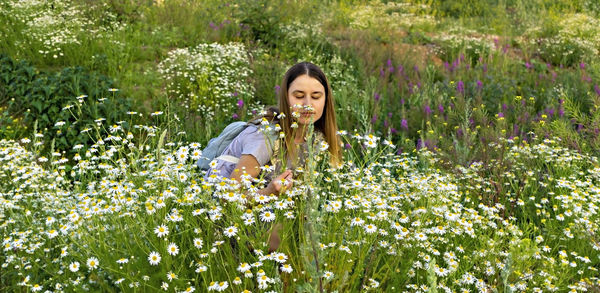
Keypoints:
pixel 217 145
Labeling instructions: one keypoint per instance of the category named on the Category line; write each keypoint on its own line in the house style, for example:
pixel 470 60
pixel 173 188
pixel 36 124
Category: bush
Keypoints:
pixel 567 40
pixel 70 102
pixel 209 82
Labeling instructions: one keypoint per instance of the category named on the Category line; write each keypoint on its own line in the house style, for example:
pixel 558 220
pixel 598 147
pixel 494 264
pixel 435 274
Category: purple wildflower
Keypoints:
pixel 240 103
pixel 597 89
pixel 277 88
pixel 455 63
pixel 347 146
pixel 441 108
pixel 419 144
pixel 460 87
pixel 374 119
pixel 479 84
pixel 404 124
pixel 500 115
pixel 235 116
pixel 582 65
pixel 376 97
pixel 427 110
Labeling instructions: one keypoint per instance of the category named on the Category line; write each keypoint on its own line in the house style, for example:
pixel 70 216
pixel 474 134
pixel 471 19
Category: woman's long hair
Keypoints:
pixel 327 124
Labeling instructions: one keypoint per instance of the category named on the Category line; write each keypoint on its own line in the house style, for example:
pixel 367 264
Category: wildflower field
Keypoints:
pixel 470 132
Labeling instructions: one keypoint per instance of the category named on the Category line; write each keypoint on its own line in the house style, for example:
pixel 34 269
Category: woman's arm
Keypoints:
pixel 252 168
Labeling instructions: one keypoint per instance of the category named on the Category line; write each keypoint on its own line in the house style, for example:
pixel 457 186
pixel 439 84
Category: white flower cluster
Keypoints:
pixel 390 15
pixel 458 37
pixel 51 27
pixel 577 33
pixel 208 78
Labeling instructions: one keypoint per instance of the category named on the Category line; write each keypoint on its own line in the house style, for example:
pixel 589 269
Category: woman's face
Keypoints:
pixel 306 95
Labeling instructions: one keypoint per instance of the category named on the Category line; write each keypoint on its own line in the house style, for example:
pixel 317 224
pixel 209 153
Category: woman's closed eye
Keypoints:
pixel 316 97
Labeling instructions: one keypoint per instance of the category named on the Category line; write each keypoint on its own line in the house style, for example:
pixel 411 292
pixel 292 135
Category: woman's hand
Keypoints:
pixel 282 182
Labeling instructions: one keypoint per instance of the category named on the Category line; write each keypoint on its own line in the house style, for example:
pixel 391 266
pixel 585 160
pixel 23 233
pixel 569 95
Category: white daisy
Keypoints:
pixel 154 258
pixel 267 216
pixel 198 243
pixel 370 228
pixel 173 249
pixel 279 257
pixel 74 267
pixel 230 231
pixel 323 146
pixel 92 263
pixel 161 231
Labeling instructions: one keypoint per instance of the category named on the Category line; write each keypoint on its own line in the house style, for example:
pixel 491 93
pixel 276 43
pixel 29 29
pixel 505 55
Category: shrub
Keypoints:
pixel 571 39
pixel 70 102
pixel 209 82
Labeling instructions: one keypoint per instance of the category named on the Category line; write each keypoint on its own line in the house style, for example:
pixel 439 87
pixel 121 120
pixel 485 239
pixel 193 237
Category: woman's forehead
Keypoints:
pixel 305 83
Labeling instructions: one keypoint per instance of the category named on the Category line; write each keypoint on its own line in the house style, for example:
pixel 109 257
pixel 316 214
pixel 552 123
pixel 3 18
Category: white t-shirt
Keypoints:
pixel 249 142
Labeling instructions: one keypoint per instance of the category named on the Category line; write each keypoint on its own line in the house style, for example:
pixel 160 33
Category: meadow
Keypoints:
pixel 470 134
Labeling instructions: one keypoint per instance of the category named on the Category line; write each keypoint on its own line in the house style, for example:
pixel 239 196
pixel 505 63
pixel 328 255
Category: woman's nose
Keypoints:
pixel 306 101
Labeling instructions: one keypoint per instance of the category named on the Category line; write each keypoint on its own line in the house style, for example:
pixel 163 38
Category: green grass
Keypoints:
pixel 492 108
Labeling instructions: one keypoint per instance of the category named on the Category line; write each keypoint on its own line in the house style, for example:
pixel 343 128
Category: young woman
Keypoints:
pixel 304 98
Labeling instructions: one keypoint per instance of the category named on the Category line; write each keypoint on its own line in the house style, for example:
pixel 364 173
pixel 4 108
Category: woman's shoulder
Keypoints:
pixel 252 132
